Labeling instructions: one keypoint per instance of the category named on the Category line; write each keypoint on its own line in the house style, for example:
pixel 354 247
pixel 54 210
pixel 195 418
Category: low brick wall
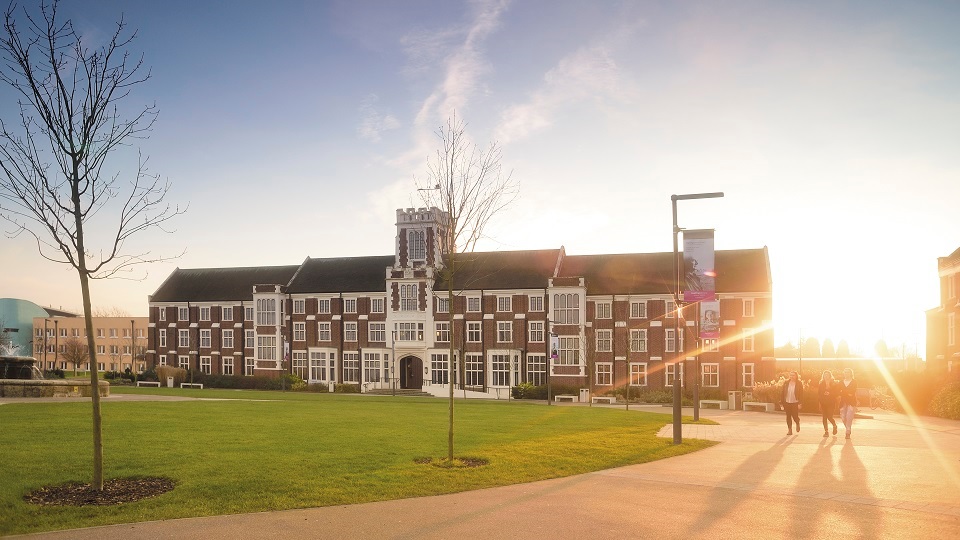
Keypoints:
pixel 43 388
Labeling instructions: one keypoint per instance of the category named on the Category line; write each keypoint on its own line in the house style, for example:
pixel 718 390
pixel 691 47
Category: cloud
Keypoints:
pixel 373 123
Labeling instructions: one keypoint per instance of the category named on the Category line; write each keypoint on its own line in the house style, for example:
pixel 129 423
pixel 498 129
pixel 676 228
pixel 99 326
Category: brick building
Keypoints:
pixel 120 342
pixel 943 349
pixel 381 320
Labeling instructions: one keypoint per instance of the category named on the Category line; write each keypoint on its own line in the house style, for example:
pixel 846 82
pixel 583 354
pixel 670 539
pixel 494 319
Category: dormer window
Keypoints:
pixel 417 245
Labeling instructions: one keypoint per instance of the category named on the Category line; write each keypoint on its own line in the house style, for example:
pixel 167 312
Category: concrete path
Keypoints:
pixel 894 479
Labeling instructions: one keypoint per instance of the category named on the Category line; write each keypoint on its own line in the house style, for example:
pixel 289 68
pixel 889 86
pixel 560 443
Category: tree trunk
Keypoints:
pixel 451 363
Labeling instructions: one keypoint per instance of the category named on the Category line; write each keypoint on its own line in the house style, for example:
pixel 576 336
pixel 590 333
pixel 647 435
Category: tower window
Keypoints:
pixel 417 245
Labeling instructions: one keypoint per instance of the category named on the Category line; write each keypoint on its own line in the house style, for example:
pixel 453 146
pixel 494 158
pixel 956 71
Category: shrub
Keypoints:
pixel 526 390
pixel 179 375
pixel 290 381
pixel 346 388
pixel 946 403
pixel 148 375
pixel 321 388
pixel 53 374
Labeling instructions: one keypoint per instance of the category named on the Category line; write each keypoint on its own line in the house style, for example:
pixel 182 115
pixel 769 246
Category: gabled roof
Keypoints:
pixel 342 274
pixel 743 270
pixel 500 270
pixel 219 284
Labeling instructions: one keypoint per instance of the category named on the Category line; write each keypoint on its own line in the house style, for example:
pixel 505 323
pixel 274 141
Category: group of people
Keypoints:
pixel 830 393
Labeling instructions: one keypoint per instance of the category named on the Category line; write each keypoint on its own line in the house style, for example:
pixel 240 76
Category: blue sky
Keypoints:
pixel 297 128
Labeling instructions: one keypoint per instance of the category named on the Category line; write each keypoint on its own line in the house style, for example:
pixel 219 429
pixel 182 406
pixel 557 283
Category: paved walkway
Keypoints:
pixel 894 479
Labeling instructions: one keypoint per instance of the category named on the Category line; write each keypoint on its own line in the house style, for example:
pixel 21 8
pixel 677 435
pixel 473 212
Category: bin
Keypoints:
pixel 169 382
pixel 735 400
pixel 584 395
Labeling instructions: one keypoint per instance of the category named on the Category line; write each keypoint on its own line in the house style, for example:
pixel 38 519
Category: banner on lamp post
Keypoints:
pixel 699 274
pixel 710 320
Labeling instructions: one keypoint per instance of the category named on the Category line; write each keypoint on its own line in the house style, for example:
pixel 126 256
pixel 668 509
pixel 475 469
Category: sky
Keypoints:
pixel 297 128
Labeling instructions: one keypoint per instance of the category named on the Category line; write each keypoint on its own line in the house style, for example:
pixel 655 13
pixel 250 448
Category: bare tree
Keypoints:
pixel 467 183
pixel 75 352
pixel 112 311
pixel 69 123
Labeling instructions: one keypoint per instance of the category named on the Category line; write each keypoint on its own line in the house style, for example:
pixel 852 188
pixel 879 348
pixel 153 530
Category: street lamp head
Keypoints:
pixel 688 196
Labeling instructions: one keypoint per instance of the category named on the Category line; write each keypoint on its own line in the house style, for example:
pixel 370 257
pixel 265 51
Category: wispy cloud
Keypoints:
pixel 373 122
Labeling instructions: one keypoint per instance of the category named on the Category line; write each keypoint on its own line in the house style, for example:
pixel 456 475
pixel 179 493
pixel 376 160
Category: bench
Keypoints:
pixel 767 407
pixel 191 385
pixel 609 400
pixel 720 403
pixel 565 397
pixel 149 383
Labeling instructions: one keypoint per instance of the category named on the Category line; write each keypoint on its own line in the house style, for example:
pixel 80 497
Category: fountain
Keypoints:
pixel 20 377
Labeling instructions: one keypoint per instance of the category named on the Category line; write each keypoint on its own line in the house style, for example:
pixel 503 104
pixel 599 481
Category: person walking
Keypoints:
pixel 790 396
pixel 826 394
pixel 848 400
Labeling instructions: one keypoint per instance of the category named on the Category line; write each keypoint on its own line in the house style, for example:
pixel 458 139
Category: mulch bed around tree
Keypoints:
pixel 115 491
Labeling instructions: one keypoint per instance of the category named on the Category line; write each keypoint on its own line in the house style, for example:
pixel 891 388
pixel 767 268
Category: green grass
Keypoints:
pixel 301 450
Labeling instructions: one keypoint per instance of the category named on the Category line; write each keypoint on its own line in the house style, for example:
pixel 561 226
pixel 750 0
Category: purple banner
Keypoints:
pixel 710 320
pixel 699 274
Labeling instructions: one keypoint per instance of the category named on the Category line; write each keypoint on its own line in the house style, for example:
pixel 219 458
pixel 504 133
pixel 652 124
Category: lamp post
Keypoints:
pixel 393 360
pixel 677 381
pixel 56 341
pixel 44 341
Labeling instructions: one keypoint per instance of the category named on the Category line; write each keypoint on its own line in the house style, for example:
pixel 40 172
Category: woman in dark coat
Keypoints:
pixel 848 400
pixel 790 396
pixel 827 395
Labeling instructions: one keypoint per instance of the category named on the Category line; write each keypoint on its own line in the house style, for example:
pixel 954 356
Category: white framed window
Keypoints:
pixel 183 314
pixel 604 375
pixel 267 347
pixel 473 369
pixel 249 340
pixel 604 340
pixel 711 345
pixel 950 286
pixel 323 305
pixel 126 332
pixel 163 360
pixel 204 313
pixel 323 331
pixel 163 337
pixel 248 313
pixel 249 366
pixel 504 331
pixel 504 304
pixel 349 305
pixel 569 351
pixel 566 308
pixel 76 332
pixel 350 331
pixel 226 365
pixel 537 369
pixel 638 374
pixel 409 300
pixel 100 333
pixel 638 309
pixel 670 309
pixel 604 310
pixel 748 339
pixel 638 340
pixel 443 305
pixel 162 314
pixel 748 373
pixel 443 332
pixel 536 303
pixel 410 331
pixel 298 363
pixel 351 367
pixel 671 372
pixel 500 370
pixel 473 304
pixel 101 349
pixel 113 349
pixel 417 245
pixel 439 368
pixel 748 307
pixel 63 332
pixel 951 329
pixel 205 338
pixel 377 332
pixel 535 332
pixel 299 306
pixel 376 305
pixel 183 338
pixel 710 375
pixel 226 339
pixel 113 333
pixel 184 361
pixel 205 364
pixel 266 311
pixel 226 314
pixel 474 335
pixel 299 331
pixel 670 343
pixel 371 367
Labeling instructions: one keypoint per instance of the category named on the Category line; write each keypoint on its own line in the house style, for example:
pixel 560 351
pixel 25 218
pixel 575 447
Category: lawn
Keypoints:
pixel 254 451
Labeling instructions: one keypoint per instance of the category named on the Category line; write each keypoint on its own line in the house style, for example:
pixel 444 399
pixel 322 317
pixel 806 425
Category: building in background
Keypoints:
pixel 120 342
pixel 943 350
pixel 597 321
pixel 16 323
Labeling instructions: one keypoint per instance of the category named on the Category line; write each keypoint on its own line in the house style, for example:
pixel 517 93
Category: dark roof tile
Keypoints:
pixel 342 274
pixel 219 284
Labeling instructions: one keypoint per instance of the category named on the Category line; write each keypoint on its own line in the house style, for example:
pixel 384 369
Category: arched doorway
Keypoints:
pixel 411 372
